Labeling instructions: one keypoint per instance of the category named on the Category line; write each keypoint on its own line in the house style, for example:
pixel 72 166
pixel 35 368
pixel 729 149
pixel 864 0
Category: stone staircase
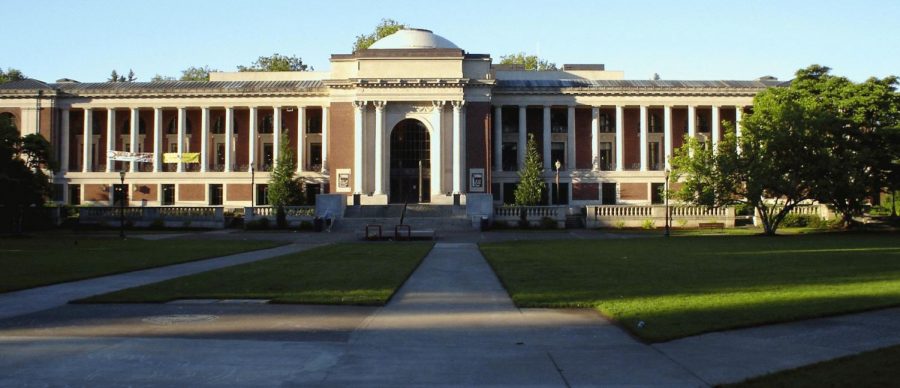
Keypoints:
pixel 440 218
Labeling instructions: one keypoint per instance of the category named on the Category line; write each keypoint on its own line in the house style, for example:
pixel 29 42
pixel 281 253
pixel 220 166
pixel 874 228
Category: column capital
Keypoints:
pixel 438 103
pixel 379 104
pixel 457 104
pixel 547 106
pixel 360 104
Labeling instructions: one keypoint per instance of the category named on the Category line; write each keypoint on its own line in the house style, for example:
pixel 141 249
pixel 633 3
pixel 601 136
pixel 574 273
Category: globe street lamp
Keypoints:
pixel 123 193
pixel 558 165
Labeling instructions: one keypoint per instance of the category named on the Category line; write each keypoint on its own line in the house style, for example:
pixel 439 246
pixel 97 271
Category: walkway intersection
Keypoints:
pixel 450 324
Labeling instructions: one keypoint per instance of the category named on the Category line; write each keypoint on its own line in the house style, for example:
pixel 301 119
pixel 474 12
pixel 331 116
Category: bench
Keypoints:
pixel 711 225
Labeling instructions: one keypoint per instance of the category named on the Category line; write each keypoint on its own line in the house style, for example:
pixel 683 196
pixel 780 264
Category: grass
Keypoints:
pixel 38 261
pixel 358 274
pixel 683 286
pixel 878 368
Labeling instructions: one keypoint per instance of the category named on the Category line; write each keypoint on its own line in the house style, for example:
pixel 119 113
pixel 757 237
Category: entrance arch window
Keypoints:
pixel 410 162
pixel 172 129
pixel 126 127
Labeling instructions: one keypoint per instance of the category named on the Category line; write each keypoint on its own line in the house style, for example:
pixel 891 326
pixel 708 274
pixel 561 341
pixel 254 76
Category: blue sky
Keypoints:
pixel 85 40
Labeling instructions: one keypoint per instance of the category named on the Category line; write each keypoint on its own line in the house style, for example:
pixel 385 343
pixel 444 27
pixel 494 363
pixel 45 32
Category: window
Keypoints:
pixel 168 195
pixel 266 125
pixel 314 121
pixel 268 156
pixel 315 156
pixel 605 123
pixel 218 126
pixel 215 194
pixel 120 194
pixel 510 119
pixel 654 155
pixel 126 127
pixel 510 156
pixel 655 124
pixel 702 124
pixel 75 195
pixel 558 153
pixel 608 193
pixel 220 154
pixel 262 195
pixel 657 193
pixel 559 121
pixel 606 156
pixel 172 129
pixel 8 118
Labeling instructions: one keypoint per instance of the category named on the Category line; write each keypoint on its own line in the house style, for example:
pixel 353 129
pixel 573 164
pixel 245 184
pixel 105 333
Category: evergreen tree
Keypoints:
pixel 531 183
pixel 284 188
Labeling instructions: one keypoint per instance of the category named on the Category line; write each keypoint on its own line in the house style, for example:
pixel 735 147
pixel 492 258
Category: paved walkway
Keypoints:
pixel 451 324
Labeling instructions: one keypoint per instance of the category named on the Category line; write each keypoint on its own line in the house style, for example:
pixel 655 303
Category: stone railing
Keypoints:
pixel 295 214
pixel 534 214
pixel 639 216
pixel 169 216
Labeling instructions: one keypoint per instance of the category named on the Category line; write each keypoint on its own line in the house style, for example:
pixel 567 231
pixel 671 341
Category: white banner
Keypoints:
pixel 125 156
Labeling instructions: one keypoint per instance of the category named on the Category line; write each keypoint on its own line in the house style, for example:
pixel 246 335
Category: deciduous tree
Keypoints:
pixel 11 75
pixel 385 28
pixel 276 62
pixel 527 62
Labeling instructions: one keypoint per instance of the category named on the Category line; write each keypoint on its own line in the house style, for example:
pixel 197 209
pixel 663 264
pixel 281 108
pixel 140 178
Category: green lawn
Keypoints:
pixel 37 261
pixel 354 273
pixel 879 368
pixel 683 286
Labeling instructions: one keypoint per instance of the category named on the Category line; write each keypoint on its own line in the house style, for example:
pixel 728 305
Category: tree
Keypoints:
pixel 276 62
pixel 11 75
pixel 21 173
pixel 196 73
pixel 131 76
pixel 161 78
pixel 528 62
pixel 385 28
pixel 114 77
pixel 284 188
pixel 781 158
pixel 531 184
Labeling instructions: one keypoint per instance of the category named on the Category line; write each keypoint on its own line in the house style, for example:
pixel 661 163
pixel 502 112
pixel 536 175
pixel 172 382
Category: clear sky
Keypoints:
pixel 86 39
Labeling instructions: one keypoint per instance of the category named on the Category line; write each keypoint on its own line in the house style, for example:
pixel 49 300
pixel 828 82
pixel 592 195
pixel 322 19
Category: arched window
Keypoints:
pixel 8 119
pixel 126 127
pixel 172 129
pixel 266 125
pixel 218 126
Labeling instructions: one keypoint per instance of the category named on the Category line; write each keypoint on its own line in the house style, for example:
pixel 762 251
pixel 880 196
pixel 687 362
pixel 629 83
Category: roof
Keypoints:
pixel 413 38
pixel 631 85
pixel 25 84
pixel 167 87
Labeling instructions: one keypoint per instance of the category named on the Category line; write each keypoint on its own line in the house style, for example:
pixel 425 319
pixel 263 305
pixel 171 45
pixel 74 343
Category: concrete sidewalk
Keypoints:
pixel 42 298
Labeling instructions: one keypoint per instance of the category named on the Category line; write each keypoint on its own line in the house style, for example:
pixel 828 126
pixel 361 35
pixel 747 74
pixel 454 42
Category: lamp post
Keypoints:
pixel 558 165
pixel 123 194
pixel 252 187
pixel 666 193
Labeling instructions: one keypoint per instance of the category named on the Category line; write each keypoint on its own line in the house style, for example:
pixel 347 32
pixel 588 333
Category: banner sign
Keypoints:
pixel 186 157
pixel 125 156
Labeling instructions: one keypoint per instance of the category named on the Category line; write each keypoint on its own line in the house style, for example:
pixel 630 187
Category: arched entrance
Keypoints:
pixel 410 163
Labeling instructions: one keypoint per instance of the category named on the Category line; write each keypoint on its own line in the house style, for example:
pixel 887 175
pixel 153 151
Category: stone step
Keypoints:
pixel 388 223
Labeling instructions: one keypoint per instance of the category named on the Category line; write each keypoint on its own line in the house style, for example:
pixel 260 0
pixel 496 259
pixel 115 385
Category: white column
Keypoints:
pixel 251 131
pixel 620 138
pixel 133 136
pixel 325 124
pixel 87 139
pixel 545 153
pixel 716 125
pixel 738 111
pixel 437 154
pixel 523 137
pixel 643 138
pixel 64 129
pixel 276 134
pixel 301 137
pixel 182 116
pixel 595 137
pixel 110 136
pixel 570 139
pixel 204 138
pixel 692 121
pixel 498 138
pixel 229 137
pixel 379 147
pixel 457 146
pixel 157 139
pixel 667 129
pixel 359 109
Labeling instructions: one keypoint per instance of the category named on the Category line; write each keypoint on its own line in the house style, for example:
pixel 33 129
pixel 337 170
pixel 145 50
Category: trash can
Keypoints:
pixel 484 223
pixel 318 224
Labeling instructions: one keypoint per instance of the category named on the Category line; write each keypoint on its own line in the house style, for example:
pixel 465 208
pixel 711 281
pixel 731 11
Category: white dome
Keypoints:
pixel 413 38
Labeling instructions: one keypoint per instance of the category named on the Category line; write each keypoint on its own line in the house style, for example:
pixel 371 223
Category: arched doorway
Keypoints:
pixel 410 163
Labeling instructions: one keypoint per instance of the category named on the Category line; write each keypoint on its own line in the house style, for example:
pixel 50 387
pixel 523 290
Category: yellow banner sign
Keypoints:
pixel 186 157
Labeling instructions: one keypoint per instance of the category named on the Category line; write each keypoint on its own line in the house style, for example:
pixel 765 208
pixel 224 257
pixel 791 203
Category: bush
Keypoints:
pixel 797 220
pixel 260 224
pixel 648 224
pixel 305 225
pixel 548 223
pixel 157 224
pixel 619 224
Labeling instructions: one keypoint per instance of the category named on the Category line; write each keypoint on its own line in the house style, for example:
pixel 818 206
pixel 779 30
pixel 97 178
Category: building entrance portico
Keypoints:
pixel 410 175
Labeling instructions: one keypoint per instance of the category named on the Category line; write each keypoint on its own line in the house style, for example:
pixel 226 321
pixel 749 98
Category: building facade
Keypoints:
pixel 413 118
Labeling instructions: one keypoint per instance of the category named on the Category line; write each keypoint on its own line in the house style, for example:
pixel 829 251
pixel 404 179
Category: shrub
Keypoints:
pixel 682 223
pixel 157 224
pixel 548 223
pixel 799 220
pixel 619 224
pixel 260 224
pixel 648 224
pixel 305 225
